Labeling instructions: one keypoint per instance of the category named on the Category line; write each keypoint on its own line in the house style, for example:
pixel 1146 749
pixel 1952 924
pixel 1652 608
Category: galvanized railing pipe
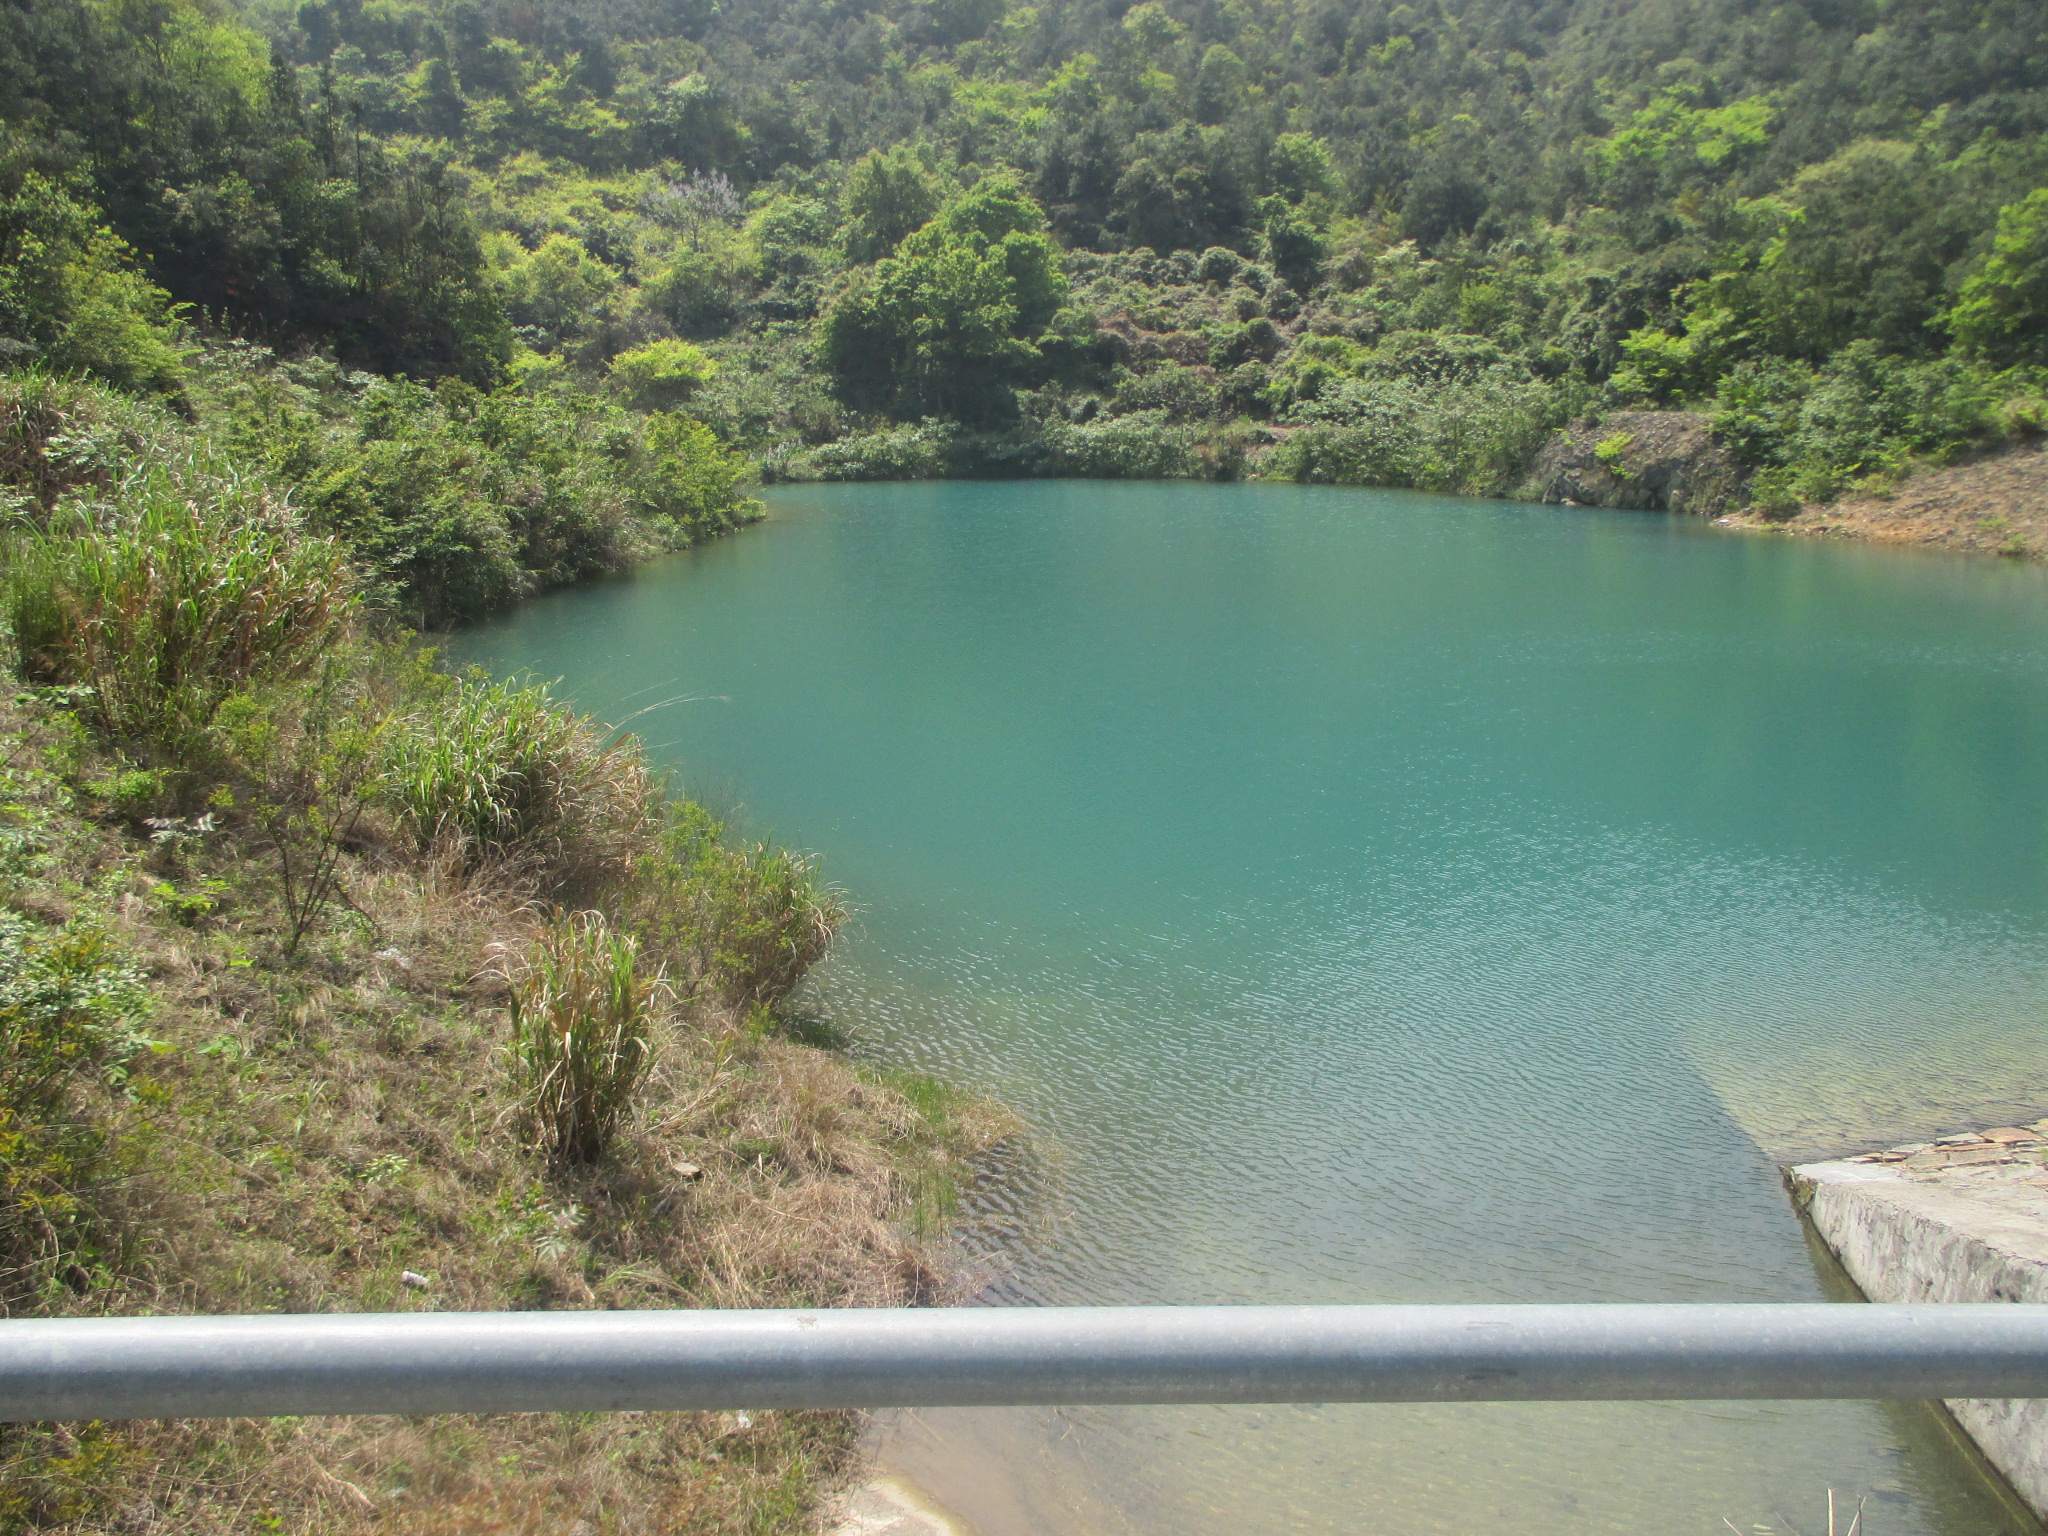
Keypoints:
pixel 511 1362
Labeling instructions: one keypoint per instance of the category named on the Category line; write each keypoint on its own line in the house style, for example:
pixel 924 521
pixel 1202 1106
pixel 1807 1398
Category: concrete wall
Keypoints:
pixel 1902 1239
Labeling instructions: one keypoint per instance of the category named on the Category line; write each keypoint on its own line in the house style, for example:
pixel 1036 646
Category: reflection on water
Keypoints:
pixel 1384 897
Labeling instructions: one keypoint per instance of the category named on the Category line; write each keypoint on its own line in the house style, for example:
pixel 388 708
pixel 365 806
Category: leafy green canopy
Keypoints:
pixel 70 295
pixel 173 125
pixel 941 326
pixel 2003 311
pixel 1309 213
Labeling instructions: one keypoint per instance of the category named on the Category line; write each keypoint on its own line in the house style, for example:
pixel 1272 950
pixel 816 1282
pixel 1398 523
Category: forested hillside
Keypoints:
pixel 1381 243
pixel 331 981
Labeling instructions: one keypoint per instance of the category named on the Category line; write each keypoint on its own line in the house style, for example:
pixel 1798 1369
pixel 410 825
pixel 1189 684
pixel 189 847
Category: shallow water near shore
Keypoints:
pixel 1385 897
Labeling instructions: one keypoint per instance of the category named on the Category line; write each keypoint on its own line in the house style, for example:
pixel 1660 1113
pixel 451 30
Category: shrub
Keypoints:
pixel 402 489
pixel 1661 369
pixel 1472 436
pixel 61 434
pixel 661 374
pixel 920 452
pixel 311 754
pixel 452 500
pixel 70 1011
pixel 1869 411
pixel 502 770
pixel 683 477
pixel 182 593
pixel 1612 452
pixel 887 195
pixel 1141 445
pixel 746 921
pixel 580 1033
pixel 1182 393
pixel 699 290
pixel 1866 413
pixel 1756 412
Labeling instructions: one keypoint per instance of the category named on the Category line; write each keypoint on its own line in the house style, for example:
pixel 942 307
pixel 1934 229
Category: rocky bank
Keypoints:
pixel 1670 461
pixel 1649 461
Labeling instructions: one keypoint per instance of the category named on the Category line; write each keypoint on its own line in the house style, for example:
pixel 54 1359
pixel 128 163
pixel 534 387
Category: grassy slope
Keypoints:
pixel 314 1121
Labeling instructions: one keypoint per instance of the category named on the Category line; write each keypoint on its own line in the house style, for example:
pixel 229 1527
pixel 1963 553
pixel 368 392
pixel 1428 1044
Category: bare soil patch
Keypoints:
pixel 1996 505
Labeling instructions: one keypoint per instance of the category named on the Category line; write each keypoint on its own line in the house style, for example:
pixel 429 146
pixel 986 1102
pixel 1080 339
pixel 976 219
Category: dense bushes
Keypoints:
pixel 1473 436
pixel 1042 444
pixel 501 772
pixel 179 589
pixel 199 628
pixel 452 499
pixel 1809 432
pixel 743 922
pixel 206 652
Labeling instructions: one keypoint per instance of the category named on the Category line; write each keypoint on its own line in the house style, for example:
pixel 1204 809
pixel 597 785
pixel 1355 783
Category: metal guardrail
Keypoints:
pixel 515 1362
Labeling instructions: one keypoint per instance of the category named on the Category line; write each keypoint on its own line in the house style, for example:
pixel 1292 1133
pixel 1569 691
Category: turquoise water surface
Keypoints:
pixel 1376 896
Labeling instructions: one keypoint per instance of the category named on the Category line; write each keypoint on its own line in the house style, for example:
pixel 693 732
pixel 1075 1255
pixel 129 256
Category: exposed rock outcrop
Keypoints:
pixel 1650 461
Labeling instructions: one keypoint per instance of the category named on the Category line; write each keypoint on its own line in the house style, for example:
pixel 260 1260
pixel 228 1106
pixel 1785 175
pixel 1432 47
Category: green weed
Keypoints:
pixel 496 769
pixel 581 1021
pixel 747 920
pixel 71 1007
pixel 194 589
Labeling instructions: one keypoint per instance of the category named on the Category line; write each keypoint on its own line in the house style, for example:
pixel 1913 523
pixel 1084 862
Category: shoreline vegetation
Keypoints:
pixel 330 981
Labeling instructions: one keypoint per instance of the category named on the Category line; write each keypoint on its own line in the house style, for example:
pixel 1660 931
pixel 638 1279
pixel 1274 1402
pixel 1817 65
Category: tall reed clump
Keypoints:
pixel 179 591
pixel 497 770
pixel 582 1021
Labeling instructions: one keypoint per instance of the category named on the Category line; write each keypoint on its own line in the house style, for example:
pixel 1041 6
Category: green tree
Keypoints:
pixel 1292 244
pixel 252 204
pixel 661 373
pixel 70 296
pixel 886 197
pixel 561 287
pixel 1182 192
pixel 2002 313
pixel 941 327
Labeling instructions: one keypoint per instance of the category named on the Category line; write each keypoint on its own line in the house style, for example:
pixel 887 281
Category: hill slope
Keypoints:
pixel 1391 244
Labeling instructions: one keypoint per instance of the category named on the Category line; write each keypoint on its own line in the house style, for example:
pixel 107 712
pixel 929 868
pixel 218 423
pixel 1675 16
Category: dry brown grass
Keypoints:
pixel 324 1123
pixel 628 1474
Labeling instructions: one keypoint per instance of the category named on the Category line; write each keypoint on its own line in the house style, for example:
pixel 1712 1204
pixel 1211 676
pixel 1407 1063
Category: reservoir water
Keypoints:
pixel 1372 896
